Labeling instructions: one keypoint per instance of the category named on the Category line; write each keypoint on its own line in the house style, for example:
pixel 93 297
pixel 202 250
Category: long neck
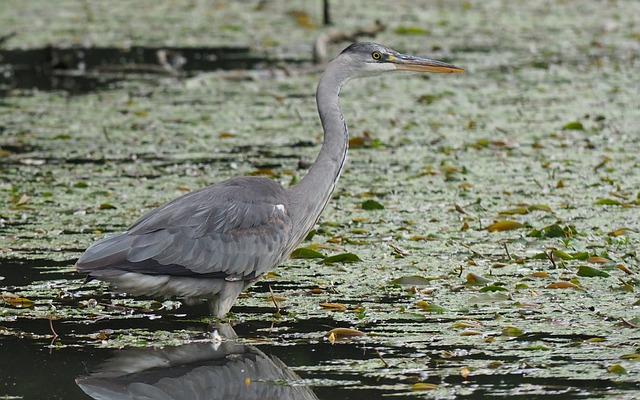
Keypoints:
pixel 309 197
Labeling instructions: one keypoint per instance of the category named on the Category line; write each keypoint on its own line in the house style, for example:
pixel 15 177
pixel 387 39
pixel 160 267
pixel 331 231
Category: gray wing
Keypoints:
pixel 238 228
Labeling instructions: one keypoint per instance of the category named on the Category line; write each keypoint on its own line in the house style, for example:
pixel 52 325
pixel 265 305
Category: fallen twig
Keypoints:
pixel 275 302
pixel 55 334
pixel 631 324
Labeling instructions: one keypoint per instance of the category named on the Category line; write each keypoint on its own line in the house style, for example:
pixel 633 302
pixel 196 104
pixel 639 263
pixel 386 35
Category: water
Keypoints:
pixel 118 354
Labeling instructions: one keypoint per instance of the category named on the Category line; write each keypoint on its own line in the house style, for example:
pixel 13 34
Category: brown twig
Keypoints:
pixel 631 324
pixel 55 334
pixel 386 364
pixel 273 298
pixel 550 257
pixel 506 249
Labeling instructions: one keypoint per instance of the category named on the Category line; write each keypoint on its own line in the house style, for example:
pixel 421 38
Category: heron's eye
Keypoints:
pixel 376 55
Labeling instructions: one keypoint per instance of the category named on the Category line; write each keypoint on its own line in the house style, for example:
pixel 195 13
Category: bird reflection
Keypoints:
pixel 223 369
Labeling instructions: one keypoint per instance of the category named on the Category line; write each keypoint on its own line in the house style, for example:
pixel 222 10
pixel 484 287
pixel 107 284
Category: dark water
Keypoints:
pixel 85 69
pixel 298 364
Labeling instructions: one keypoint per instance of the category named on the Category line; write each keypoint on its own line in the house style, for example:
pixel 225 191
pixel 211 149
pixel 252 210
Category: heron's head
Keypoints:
pixel 365 59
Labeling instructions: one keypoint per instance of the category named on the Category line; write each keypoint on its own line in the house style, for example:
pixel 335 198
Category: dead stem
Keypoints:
pixel 275 302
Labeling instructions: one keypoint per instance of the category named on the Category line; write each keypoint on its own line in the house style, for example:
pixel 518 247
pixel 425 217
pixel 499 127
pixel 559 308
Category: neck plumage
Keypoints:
pixel 309 197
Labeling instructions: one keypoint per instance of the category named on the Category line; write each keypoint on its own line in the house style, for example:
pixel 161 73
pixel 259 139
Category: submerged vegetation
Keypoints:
pixel 482 242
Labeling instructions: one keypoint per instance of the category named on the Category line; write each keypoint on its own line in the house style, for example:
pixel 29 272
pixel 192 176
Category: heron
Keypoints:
pixel 212 243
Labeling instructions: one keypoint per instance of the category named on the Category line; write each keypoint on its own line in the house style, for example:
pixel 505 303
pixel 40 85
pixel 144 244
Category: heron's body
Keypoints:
pixel 213 242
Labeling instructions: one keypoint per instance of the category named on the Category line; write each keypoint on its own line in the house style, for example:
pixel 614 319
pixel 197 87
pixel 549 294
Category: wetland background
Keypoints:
pixel 494 213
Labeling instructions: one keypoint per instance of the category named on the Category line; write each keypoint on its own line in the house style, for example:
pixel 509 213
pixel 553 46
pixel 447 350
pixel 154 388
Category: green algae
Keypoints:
pixel 503 138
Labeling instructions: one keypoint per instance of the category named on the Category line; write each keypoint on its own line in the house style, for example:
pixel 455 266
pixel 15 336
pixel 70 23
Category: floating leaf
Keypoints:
pixel 607 202
pixel 493 288
pixel 466 324
pixel 470 332
pixel 474 279
pixel 539 274
pixel 340 333
pixel 561 255
pixel 107 206
pixel 430 307
pixel 504 225
pixel 17 301
pixel 417 238
pixel 371 205
pixel 305 253
pixel 489 297
pixel 554 231
pixel 539 207
pixel 263 172
pixel 423 386
pixel 514 211
pixel 617 369
pixel 634 356
pixel 590 272
pixel 561 285
pixel 410 30
pixel 597 260
pixel 412 280
pixel 620 231
pixel 624 269
pixel 573 126
pixel 512 331
pixel 580 255
pixel 334 306
pixel 343 258
pixel 428 98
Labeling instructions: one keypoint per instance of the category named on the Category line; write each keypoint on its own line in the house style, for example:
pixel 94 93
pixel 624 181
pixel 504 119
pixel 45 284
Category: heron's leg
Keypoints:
pixel 220 305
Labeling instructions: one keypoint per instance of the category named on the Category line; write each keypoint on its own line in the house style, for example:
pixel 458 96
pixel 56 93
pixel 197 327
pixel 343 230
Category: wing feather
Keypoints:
pixel 238 228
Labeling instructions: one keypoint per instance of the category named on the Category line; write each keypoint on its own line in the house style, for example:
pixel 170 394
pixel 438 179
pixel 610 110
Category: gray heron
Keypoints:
pixel 211 243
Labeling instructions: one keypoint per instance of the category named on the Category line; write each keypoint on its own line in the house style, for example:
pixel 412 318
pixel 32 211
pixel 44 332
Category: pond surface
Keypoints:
pixel 499 259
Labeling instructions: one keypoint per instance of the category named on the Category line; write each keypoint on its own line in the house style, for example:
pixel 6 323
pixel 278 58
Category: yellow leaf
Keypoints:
pixel 617 369
pixel 597 260
pixel 504 225
pixel 624 269
pixel 339 333
pixel 274 298
pixel 466 324
pixel 464 372
pixel 561 285
pixel 512 211
pixel 539 274
pixel 17 301
pixel 476 279
pixel 424 386
pixel 334 306
pixel 470 332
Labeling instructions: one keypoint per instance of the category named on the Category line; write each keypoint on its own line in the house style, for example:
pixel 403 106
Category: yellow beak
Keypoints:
pixel 410 63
